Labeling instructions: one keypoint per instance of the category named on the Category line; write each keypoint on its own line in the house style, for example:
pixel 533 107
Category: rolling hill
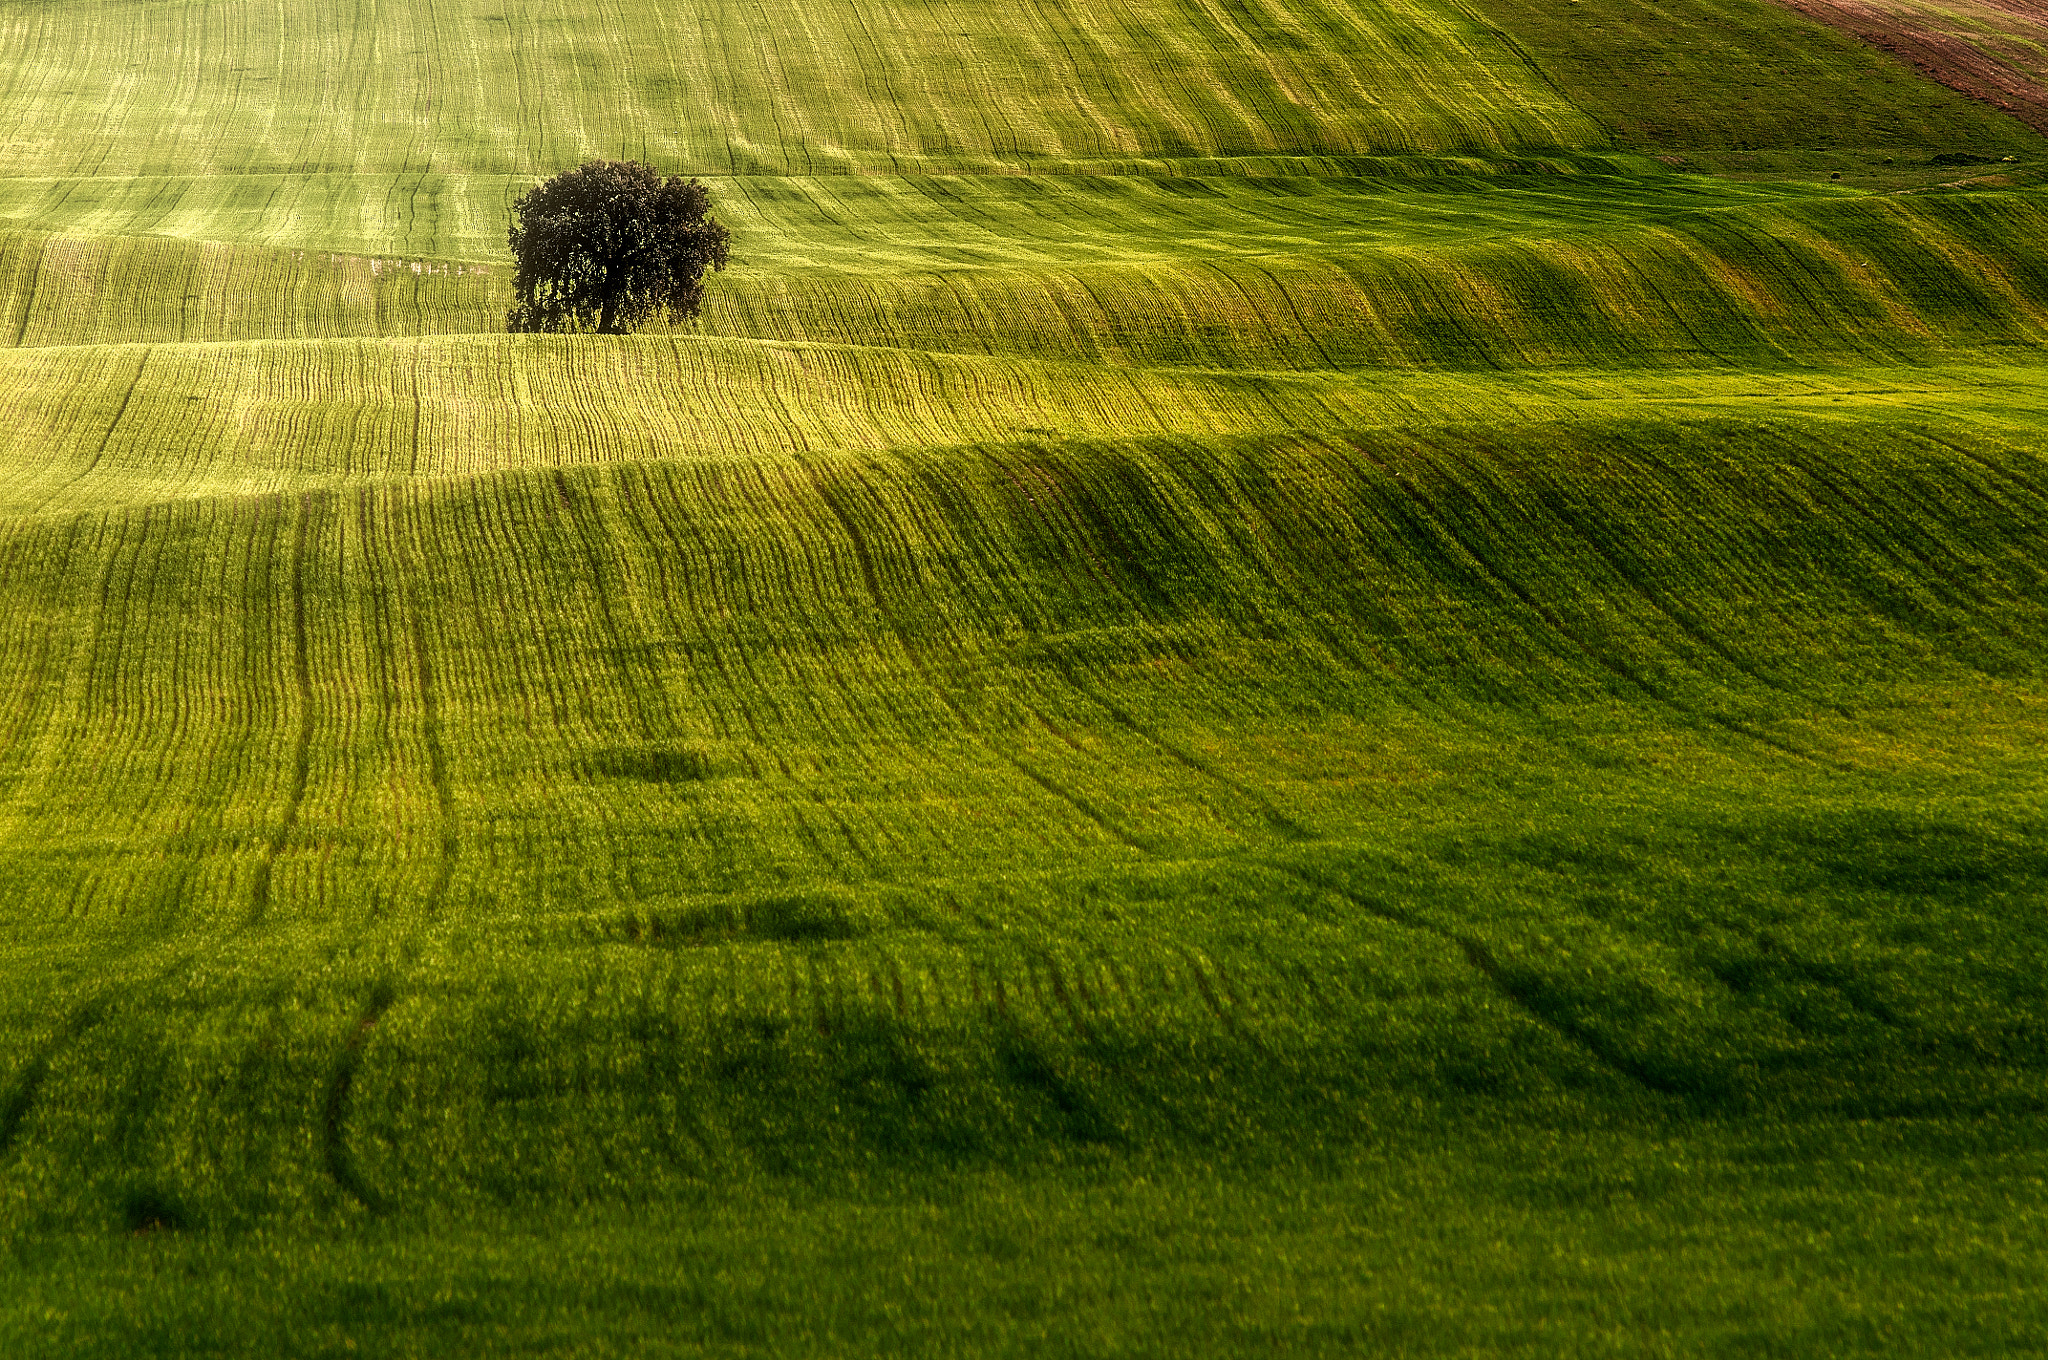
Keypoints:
pixel 1316 678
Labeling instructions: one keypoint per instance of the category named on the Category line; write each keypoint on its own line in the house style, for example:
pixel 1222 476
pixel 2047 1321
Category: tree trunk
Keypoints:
pixel 608 317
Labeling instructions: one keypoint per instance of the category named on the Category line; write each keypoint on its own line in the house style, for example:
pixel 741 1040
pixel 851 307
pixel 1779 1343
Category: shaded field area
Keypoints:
pixel 602 834
pixel 1398 1251
pixel 140 424
pixel 1315 679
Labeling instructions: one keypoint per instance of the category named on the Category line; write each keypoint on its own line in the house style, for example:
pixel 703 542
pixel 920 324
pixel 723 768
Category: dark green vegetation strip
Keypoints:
pixel 1258 688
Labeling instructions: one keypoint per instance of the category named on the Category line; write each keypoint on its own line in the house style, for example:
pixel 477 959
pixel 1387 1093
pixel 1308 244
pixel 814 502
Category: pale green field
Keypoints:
pixel 1267 681
pixel 407 91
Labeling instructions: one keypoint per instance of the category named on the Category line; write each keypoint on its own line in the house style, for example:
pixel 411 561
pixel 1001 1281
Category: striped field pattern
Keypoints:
pixel 1741 281
pixel 1243 626
pixel 208 87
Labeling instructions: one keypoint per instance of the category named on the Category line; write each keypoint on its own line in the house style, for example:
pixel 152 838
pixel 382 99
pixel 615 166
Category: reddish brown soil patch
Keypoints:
pixel 1986 66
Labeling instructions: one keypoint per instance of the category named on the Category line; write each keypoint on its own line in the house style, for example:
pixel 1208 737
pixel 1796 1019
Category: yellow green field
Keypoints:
pixel 1354 678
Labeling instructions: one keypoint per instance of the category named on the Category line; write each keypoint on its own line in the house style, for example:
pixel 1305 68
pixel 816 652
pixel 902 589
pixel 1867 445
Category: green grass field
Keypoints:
pixel 1317 679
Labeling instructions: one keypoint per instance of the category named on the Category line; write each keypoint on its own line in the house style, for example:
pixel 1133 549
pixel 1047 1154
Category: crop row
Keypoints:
pixel 832 662
pixel 868 224
pixel 1876 279
pixel 1060 665
pixel 862 226
pixel 71 290
pixel 227 89
pixel 233 88
pixel 98 425
pixel 525 831
pixel 92 427
pixel 1249 278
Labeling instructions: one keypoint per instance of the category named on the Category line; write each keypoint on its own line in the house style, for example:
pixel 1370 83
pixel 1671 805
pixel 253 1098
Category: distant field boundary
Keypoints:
pixel 1981 52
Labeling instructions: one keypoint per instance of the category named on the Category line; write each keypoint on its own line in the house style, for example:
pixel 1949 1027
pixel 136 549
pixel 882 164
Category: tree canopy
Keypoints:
pixel 609 245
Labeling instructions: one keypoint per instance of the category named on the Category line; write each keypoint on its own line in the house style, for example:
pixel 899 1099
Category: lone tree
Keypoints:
pixel 609 245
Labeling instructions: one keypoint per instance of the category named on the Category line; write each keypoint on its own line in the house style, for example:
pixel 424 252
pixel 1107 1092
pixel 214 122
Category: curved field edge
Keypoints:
pixel 95 427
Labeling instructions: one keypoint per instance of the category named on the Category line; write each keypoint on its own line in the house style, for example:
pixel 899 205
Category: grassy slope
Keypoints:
pixel 1745 84
pixel 1325 735
pixel 409 90
pixel 1209 273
